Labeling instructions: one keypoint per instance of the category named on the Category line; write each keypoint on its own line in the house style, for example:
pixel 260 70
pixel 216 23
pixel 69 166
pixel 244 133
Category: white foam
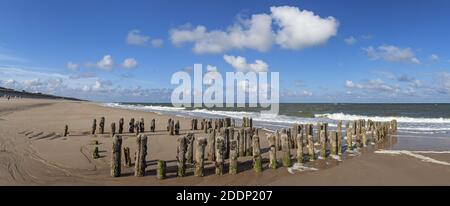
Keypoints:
pixel 416 154
pixel 300 168
pixel 351 117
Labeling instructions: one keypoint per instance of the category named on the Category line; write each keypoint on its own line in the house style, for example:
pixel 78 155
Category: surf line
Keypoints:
pixel 416 155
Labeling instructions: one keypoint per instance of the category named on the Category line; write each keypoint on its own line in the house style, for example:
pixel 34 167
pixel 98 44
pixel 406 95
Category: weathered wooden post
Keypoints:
pixel 271 138
pixel 195 124
pixel 169 121
pixel 172 127
pixel 257 160
pixel 190 138
pixel 364 140
pixel 131 124
pixel 241 138
pixel 333 144
pixel 116 156
pixel 220 147
pixel 181 156
pixel 94 126
pixel 233 157
pixel 142 126
pixel 120 125
pixel 95 154
pixel 102 125
pixel 202 125
pixel 348 135
pixel 339 136
pixel 318 129
pixel 161 169
pixel 200 157
pixel 141 153
pixel 66 130
pixel 323 145
pixel 339 143
pixel 113 129
pixel 177 128
pixel 153 125
pixel 136 128
pixel 192 123
pixel 311 149
pixel 278 140
pixel 211 152
pixel 248 141
pixel 286 151
pixel 127 156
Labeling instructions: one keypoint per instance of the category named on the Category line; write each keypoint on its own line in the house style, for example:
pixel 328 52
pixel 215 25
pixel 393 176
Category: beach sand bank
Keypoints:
pixel 34 152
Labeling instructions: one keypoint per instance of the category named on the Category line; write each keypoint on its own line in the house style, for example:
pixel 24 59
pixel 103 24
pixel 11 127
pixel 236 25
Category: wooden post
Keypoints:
pixel 241 139
pixel 248 141
pixel 339 136
pixel 202 125
pixel 141 153
pixel 233 157
pixel 113 129
pixel 195 124
pixel 220 147
pixel 181 156
pixel 94 126
pixel 286 151
pixel 136 128
pixel 334 142
pixel 323 145
pixel 120 125
pixel 177 128
pixel 102 125
pixel 169 121
pixel 142 125
pixel 127 156
pixel 364 140
pixel 278 140
pixel 153 125
pixel 172 127
pixel 116 156
pixel 95 154
pixel 211 152
pixel 192 123
pixel 311 149
pixel 66 130
pixel 190 138
pixel 299 140
pixel 257 160
pixel 348 134
pixel 131 124
pixel 200 157
pixel 339 143
pixel 271 138
pixel 318 128
pixel 161 169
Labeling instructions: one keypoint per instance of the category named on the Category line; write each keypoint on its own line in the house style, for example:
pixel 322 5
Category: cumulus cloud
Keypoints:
pixel 135 37
pixel 254 33
pixel 72 66
pixel 296 29
pixel 129 63
pixel 301 28
pixel 240 64
pixel 392 54
pixel 106 63
pixel 373 84
pixel 350 40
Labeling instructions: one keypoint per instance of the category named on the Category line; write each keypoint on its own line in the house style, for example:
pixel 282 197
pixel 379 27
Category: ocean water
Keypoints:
pixel 421 126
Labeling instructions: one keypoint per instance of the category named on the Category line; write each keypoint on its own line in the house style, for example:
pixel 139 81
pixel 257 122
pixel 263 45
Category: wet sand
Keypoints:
pixel 34 152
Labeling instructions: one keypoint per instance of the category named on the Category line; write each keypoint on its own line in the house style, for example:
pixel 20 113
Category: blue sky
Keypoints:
pixel 325 51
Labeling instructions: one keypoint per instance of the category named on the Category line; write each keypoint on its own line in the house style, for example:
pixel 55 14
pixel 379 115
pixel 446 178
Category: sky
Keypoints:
pixel 324 51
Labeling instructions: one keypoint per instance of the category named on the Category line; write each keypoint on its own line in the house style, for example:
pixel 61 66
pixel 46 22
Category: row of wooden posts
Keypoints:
pixel 134 126
pixel 221 144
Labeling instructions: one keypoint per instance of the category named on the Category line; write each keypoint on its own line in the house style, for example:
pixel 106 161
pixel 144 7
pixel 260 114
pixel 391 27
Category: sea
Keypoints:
pixel 420 126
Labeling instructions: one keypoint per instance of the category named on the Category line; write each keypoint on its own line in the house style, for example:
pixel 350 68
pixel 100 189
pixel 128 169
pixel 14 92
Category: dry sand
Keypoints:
pixel 33 152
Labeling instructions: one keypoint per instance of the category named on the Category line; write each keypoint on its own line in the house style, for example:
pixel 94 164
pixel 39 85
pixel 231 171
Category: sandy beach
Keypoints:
pixel 33 151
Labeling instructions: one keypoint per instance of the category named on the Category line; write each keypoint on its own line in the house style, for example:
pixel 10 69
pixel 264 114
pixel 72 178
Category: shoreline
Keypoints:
pixel 44 157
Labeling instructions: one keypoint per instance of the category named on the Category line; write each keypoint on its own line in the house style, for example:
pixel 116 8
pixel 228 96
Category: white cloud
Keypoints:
pixel 210 68
pixel 301 28
pixel 240 64
pixel 135 37
pixel 72 66
pixel 392 53
pixel 434 57
pixel 350 40
pixel 129 63
pixel 254 33
pixel 105 63
pixel 296 29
